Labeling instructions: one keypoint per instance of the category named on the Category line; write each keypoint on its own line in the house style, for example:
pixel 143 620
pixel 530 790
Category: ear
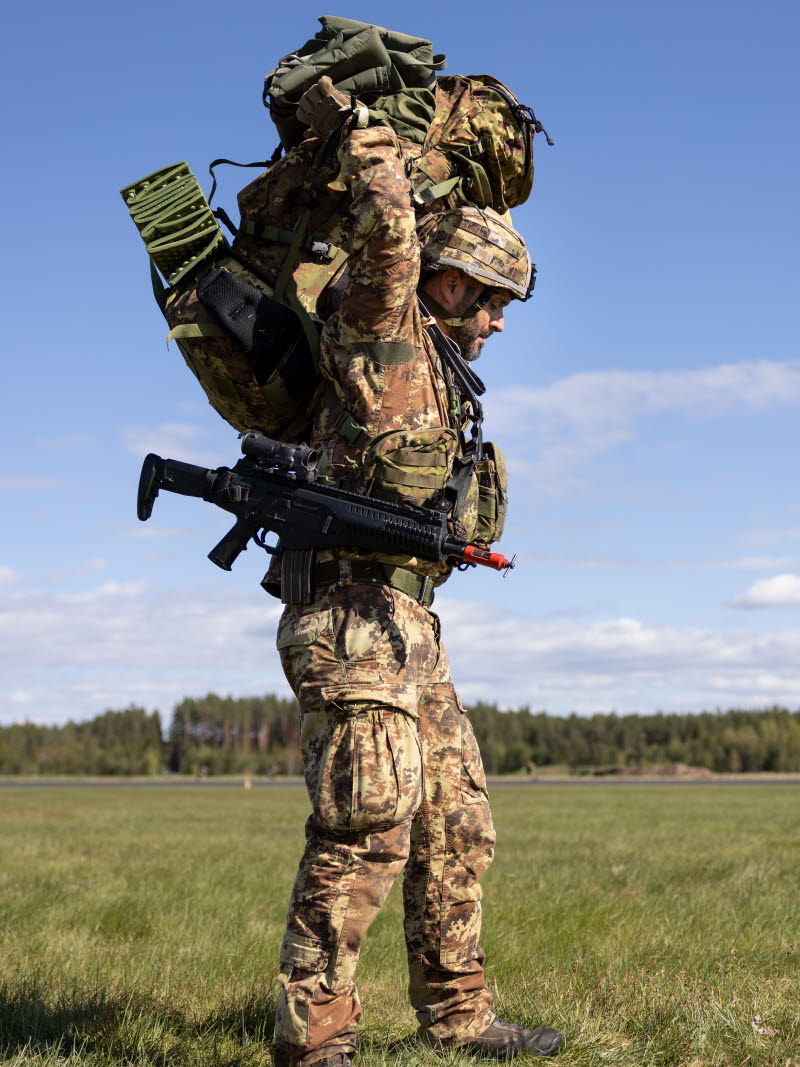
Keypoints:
pixel 451 289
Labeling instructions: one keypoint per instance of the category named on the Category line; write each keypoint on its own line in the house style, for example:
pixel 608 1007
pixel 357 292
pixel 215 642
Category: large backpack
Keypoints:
pixel 247 315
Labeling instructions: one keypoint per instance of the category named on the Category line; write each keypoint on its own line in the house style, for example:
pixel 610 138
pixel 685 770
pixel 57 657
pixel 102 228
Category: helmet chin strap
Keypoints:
pixel 458 320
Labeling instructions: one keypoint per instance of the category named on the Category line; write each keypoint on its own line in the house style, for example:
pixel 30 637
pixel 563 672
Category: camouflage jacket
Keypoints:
pixel 388 421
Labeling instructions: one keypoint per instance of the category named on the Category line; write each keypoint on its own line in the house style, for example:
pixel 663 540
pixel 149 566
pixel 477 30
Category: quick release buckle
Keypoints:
pixel 321 249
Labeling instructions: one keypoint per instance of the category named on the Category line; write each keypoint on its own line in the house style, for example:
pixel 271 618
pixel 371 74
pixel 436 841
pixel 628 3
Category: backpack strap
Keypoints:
pixel 160 292
pixel 327 251
pixel 195 329
pixel 428 192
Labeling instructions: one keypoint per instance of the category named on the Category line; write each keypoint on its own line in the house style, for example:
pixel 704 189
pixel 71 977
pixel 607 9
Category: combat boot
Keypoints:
pixel 281 1057
pixel 503 1041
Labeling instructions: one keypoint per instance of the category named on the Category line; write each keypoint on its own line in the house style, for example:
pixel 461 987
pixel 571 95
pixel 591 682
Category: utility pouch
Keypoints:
pixel 412 465
pixel 249 353
pixel 492 495
pixel 262 327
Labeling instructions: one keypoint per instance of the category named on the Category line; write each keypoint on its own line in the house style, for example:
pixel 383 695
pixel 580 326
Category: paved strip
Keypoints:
pixel 283 783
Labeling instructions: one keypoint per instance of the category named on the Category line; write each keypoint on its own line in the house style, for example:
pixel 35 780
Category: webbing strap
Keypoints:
pixel 410 479
pixel 416 586
pixel 195 329
pixel 429 192
pixel 355 571
pixel 286 237
pixel 309 326
pixel 160 292
pixel 468 381
pixel 412 458
pixel 292 256
pixel 269 233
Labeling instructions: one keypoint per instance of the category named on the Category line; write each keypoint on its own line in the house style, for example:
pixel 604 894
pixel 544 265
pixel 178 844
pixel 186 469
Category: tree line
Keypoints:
pixel 261 736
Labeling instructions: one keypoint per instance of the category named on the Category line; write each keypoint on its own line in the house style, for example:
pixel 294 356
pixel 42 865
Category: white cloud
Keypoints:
pixel 753 563
pixel 172 440
pixel 782 591
pixel 566 664
pixel 772 536
pixel 742 563
pixel 9 575
pixel 579 417
pixel 75 654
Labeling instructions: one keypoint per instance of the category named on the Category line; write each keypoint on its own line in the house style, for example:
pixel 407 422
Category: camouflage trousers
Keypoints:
pixel 396 782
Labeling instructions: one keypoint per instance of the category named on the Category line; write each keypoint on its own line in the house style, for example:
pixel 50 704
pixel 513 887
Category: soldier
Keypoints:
pixel 391 763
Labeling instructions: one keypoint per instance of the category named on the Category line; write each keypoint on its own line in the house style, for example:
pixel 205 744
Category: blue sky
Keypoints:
pixel 647 397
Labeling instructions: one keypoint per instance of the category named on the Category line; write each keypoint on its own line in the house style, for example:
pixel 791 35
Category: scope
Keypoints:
pixel 298 458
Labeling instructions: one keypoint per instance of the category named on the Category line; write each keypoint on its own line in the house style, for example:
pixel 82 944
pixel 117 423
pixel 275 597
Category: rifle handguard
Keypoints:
pixel 274 489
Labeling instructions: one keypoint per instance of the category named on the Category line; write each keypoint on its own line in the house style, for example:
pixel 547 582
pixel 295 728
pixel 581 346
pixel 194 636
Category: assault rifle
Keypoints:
pixel 274 488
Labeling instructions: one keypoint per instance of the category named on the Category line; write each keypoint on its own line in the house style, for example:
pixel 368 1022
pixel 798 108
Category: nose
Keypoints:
pixel 497 322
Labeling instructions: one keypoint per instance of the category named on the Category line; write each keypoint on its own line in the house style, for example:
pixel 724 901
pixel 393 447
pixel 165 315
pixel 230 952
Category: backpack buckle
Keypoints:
pixel 321 249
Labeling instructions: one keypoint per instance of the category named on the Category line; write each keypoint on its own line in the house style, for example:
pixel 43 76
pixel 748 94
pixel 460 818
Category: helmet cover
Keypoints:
pixel 480 243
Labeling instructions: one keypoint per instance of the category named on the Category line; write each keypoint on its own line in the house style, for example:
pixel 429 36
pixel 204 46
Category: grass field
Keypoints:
pixel 651 924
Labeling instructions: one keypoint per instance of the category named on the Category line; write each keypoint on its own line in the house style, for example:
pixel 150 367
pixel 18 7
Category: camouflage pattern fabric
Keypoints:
pixel 378 361
pixel 395 780
pixel 305 180
pixel 377 357
pixel 480 243
pixel 474 134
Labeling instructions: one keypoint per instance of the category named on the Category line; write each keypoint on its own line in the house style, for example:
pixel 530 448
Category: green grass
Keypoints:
pixel 650 924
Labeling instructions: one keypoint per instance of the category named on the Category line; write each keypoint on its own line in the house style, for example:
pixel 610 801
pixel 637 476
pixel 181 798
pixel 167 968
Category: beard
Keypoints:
pixel 469 338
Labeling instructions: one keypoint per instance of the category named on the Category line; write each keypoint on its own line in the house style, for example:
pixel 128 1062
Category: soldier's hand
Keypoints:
pixel 323 108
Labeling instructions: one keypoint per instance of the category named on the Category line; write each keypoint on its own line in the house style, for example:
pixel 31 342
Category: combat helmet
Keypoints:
pixel 479 242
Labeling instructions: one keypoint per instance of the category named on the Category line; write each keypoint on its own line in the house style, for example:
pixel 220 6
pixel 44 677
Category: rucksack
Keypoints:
pixel 247 315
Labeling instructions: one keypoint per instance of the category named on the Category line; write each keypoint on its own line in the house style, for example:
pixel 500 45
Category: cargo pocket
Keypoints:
pixel 362 766
pixel 492 495
pixel 305 953
pixel 301 632
pixel 414 465
pixel 302 961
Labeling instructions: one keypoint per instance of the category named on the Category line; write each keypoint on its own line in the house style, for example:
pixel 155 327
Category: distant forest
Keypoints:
pixel 260 736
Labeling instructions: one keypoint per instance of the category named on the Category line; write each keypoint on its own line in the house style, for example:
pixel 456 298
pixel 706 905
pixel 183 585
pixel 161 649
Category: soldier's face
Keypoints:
pixel 472 336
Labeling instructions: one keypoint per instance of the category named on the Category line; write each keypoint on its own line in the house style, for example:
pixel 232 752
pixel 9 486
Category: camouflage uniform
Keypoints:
pixel 391 764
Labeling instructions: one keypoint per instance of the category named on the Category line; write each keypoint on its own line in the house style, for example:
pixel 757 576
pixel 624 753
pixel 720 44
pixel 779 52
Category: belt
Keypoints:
pixel 360 571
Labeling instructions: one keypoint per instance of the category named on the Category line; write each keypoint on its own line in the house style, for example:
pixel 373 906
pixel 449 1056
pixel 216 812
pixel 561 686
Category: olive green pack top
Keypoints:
pixel 462 140
pixel 391 72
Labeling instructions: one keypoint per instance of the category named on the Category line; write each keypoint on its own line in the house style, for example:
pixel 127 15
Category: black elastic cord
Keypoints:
pixel 223 216
pixel 231 163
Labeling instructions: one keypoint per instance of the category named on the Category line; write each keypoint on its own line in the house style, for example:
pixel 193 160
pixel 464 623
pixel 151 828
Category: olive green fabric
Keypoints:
pixel 174 219
pixel 389 353
pixel 492 495
pixel 393 73
pixel 414 465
